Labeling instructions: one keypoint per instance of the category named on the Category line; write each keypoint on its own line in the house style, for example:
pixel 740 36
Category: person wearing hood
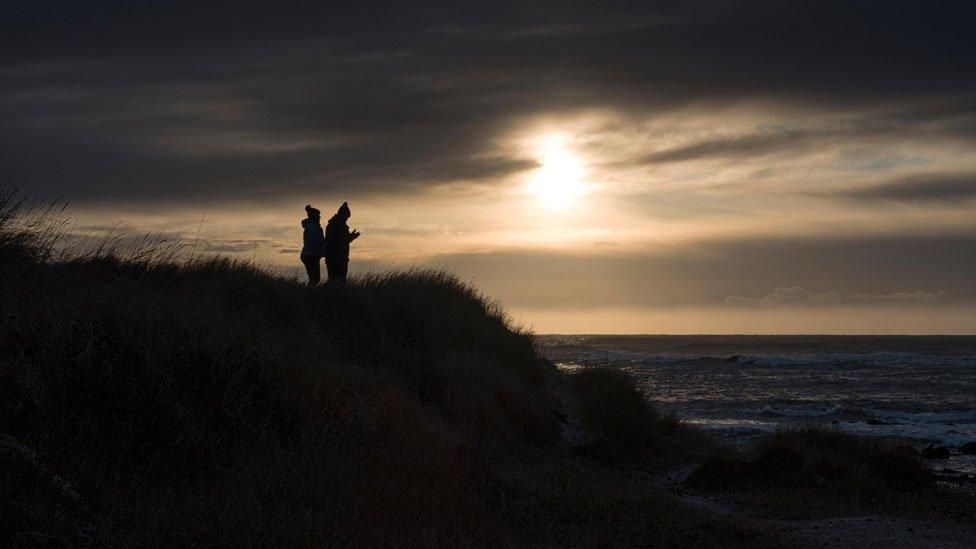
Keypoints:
pixel 337 239
pixel 313 245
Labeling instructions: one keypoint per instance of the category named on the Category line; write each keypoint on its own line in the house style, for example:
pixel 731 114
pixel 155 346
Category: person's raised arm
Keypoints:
pixel 353 235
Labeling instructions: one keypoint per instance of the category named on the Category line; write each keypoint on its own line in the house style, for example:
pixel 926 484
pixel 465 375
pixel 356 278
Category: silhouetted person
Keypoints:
pixel 337 239
pixel 313 245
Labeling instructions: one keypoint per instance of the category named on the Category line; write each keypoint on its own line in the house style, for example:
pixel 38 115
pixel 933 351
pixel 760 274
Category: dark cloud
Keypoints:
pixel 734 147
pixel 798 296
pixel 864 271
pixel 204 101
pixel 936 188
pixel 225 246
pixel 924 119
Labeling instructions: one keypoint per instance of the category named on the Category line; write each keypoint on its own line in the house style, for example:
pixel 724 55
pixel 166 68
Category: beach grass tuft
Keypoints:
pixel 819 471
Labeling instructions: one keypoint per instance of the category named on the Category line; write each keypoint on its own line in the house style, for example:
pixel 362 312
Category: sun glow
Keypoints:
pixel 558 182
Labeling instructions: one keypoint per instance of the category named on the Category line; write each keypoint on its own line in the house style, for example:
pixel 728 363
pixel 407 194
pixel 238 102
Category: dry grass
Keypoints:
pixel 202 401
pixel 816 471
pixel 628 428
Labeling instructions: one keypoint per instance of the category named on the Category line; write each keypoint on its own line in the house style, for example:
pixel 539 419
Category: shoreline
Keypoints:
pixel 911 395
pixel 847 530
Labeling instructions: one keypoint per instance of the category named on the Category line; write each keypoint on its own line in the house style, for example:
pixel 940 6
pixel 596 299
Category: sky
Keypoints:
pixel 710 166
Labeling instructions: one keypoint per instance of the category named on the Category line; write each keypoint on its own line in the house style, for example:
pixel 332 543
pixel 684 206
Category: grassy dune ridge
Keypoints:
pixel 150 396
pixel 201 400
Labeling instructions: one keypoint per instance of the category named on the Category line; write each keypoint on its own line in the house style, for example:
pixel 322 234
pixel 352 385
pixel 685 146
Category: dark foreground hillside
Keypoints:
pixel 166 401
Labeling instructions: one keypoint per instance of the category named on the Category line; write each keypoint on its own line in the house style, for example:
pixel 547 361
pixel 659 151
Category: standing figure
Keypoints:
pixel 313 247
pixel 337 239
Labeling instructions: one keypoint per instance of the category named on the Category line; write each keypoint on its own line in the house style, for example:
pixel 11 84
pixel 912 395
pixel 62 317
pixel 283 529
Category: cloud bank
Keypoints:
pixel 103 102
pixel 798 296
pixel 823 150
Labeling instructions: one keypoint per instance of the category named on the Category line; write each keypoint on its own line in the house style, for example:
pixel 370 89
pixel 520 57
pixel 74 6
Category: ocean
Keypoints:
pixel 917 388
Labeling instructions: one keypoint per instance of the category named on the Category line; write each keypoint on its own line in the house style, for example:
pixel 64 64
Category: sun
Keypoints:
pixel 559 180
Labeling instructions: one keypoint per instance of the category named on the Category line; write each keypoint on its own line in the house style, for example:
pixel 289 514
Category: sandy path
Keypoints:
pixel 864 532
pixel 847 532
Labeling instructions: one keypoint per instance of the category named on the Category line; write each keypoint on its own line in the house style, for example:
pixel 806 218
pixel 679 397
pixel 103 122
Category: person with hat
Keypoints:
pixel 313 247
pixel 337 239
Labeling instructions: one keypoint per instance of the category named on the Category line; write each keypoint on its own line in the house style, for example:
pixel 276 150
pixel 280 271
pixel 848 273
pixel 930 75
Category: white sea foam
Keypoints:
pixel 799 412
pixel 920 388
pixel 872 359
pixel 949 436
pixel 950 416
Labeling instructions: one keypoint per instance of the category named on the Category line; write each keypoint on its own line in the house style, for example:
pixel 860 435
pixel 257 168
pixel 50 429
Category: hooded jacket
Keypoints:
pixel 337 239
pixel 313 239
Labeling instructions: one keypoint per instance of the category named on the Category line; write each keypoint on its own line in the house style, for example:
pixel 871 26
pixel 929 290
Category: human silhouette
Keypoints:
pixel 313 247
pixel 337 239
